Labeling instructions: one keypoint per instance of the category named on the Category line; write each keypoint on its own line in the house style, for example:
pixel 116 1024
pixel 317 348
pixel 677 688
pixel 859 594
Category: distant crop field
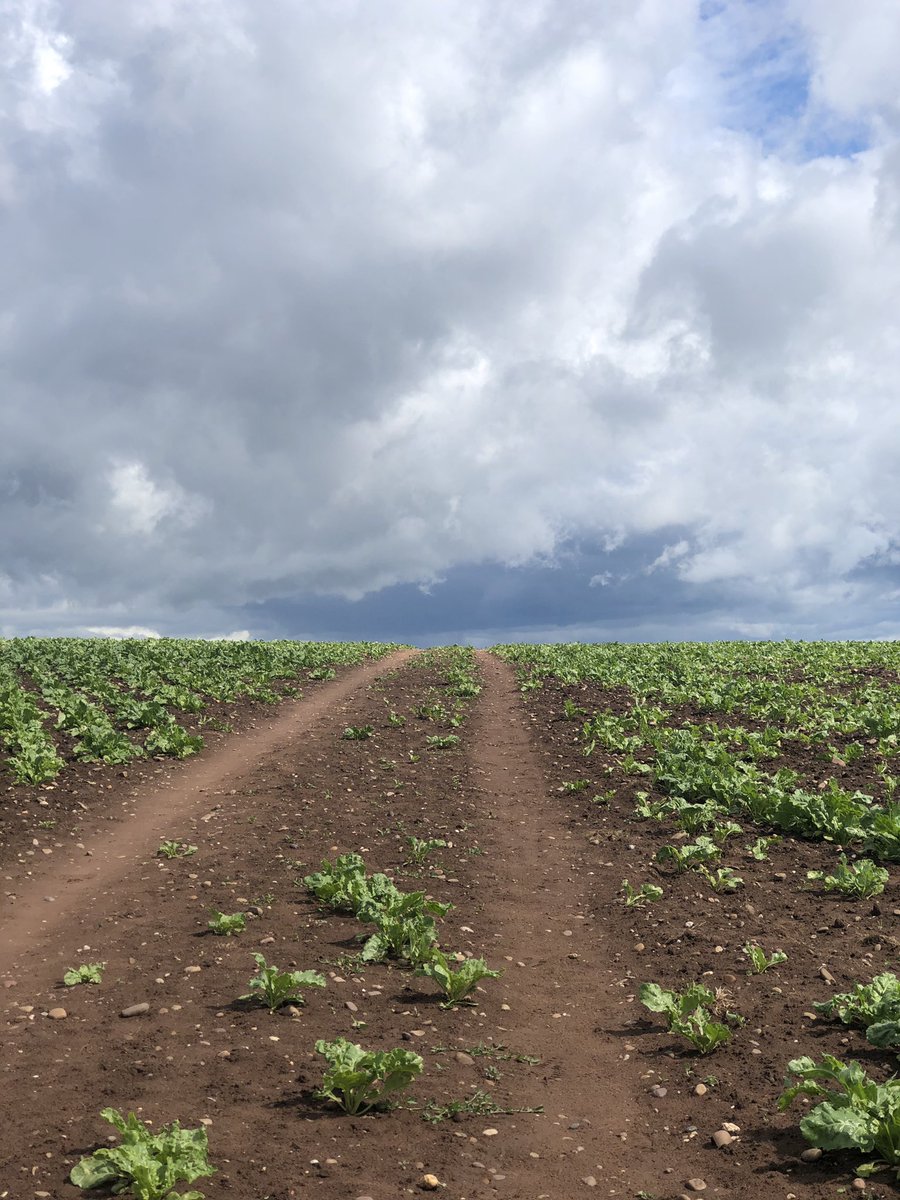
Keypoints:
pixel 97 700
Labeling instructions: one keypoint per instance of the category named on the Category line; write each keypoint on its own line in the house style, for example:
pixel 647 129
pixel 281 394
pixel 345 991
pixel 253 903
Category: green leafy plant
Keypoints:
pixel 442 741
pixel 858 1114
pixel 687 1014
pixel 359 1080
pixel 760 848
pixel 225 924
pixel 861 879
pixel 174 849
pixel 758 960
pixel 420 848
pixel 690 855
pixel 408 938
pixel 456 982
pixel 723 879
pixel 358 733
pixel 875 1006
pixel 640 897
pixel 146 1165
pixel 575 785
pixel 85 973
pixel 275 988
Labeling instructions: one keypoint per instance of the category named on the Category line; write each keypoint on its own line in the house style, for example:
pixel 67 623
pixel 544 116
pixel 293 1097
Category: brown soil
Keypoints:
pixel 534 875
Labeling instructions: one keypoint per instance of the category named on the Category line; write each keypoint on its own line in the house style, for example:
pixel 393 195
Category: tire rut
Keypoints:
pixel 540 914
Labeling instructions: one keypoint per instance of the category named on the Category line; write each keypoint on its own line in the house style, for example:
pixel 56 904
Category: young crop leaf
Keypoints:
pixel 359 1080
pixel 457 983
pixel 760 848
pixel 857 1114
pixel 687 1014
pixel 639 898
pixel 174 849
pixel 86 973
pixel 146 1165
pixel 758 960
pixel 722 880
pixel 358 733
pixel 226 924
pixel 875 1006
pixel 275 988
pixel 420 848
pixel 442 742
pixel 861 879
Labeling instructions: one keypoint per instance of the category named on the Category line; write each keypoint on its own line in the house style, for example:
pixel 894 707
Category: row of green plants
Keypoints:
pixel 116 699
pixel 405 924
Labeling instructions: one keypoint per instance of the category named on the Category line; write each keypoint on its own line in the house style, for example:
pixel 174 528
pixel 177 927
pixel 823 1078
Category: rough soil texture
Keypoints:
pixel 534 874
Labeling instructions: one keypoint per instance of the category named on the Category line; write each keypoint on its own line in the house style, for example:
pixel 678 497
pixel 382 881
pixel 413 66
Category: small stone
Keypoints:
pixel 701 1089
pixel 813 1154
pixel 348 1004
pixel 135 1010
pixel 659 1091
pixel 266 941
pixel 697 1185
pixel 430 1183
pixel 639 946
pixel 731 1127
pixel 780 875
pixel 859 1185
pixel 464 1060
pixel 589 1181
pixel 224 1054
pixel 722 1138
pixel 57 1014
pixel 489 1132
pixel 825 974
pixel 192 970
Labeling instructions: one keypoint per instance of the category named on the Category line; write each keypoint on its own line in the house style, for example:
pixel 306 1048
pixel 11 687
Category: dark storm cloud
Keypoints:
pixel 305 307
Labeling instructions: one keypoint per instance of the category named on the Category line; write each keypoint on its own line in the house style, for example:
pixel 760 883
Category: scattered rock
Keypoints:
pixel 813 1154
pixel 697 1185
pixel 430 1183
pixel 859 1185
pixel 489 1132
pixel 266 941
pixel 192 970
pixel 135 1010
pixel 464 1060
pixel 589 1181
pixel 701 1089
pixel 348 1004
pixel 730 1127
pixel 722 1138
pixel 57 1014
pixel 825 974
pixel 659 1091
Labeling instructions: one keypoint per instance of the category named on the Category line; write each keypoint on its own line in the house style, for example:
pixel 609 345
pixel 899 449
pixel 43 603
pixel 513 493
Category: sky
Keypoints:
pixel 499 320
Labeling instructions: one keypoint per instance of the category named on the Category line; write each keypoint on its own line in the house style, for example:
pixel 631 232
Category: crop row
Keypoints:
pixel 116 700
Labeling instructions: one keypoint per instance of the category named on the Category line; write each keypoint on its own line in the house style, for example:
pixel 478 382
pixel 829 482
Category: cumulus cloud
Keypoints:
pixel 320 300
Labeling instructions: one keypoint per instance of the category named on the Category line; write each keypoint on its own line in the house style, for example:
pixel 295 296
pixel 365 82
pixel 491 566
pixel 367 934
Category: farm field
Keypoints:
pixel 674 856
